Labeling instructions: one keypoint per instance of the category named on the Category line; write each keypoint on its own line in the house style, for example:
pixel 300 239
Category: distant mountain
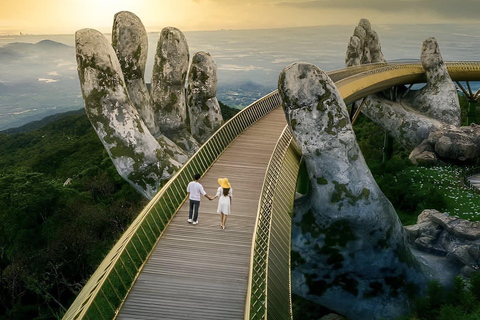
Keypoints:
pixel 50 44
pixel 43 122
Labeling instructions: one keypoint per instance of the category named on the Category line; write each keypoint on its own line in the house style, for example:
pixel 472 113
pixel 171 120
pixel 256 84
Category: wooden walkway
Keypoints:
pixel 201 272
pixel 475 180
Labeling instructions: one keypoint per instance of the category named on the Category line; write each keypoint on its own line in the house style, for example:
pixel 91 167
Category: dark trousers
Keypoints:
pixel 194 205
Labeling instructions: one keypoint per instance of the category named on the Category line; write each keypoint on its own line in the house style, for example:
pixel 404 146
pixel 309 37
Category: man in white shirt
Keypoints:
pixel 196 191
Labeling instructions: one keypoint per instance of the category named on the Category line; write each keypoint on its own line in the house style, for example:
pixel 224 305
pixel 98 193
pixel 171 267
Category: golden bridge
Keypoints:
pixel 164 268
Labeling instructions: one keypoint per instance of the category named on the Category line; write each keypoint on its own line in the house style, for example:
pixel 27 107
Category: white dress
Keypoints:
pixel 223 202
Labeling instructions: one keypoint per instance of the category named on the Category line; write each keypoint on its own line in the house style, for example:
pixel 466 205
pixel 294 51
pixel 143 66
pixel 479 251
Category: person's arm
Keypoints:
pixel 219 190
pixel 205 194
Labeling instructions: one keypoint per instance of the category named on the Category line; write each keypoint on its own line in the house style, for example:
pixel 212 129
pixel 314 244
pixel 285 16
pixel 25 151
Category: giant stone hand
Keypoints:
pixel 145 135
pixel 350 247
pixel 417 119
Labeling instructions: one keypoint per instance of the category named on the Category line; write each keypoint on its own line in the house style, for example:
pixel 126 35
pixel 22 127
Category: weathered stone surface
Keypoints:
pixel 136 154
pixel 414 115
pixel 204 110
pixel 349 248
pixel 405 124
pixel 424 154
pixel 168 79
pixel 452 143
pixel 168 88
pixel 145 146
pixel 439 98
pixel 452 237
pixel 130 42
pixel 364 46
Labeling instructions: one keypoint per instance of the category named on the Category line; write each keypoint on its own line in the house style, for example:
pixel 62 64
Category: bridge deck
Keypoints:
pixel 201 272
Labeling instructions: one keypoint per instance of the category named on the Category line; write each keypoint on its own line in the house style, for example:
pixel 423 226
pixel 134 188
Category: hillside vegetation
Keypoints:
pixel 62 207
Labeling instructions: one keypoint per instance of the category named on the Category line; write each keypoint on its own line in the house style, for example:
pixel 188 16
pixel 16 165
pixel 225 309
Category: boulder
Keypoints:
pixel 203 107
pixel 424 154
pixel 349 246
pixel 450 237
pixel 453 143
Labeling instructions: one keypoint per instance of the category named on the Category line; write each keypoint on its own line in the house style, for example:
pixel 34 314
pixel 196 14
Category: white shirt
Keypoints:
pixel 196 190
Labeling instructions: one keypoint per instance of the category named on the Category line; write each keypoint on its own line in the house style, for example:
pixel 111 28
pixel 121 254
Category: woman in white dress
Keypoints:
pixel 224 193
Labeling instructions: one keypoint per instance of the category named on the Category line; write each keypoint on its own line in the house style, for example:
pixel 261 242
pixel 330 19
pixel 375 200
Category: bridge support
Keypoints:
pixel 387 147
pixel 472 101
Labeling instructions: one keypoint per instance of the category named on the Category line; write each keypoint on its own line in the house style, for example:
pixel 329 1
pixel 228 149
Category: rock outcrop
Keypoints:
pixel 136 154
pixel 349 247
pixel 205 114
pixel 447 144
pixel 147 140
pixel 456 239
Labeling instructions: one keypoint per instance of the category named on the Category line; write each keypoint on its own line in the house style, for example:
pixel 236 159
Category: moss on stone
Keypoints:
pixel 322 181
pixel 296 259
pixel 309 224
pixel 330 124
pixel 339 233
pixel 315 287
pixel 375 289
pixel 341 192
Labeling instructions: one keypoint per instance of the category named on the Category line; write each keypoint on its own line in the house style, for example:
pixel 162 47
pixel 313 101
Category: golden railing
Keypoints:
pixel 268 291
pixel 358 82
pixel 109 285
pixel 269 279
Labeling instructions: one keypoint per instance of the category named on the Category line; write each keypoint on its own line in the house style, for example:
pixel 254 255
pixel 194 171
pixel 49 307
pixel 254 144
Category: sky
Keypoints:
pixel 67 16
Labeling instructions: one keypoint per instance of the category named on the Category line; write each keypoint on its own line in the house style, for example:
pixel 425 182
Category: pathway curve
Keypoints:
pixel 201 272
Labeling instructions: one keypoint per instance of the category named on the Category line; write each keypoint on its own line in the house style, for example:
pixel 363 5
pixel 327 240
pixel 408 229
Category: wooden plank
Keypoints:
pixel 201 272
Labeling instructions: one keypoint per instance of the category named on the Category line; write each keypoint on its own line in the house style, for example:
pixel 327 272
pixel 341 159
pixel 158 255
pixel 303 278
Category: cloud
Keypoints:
pixel 441 8
pixel 285 60
pixel 47 80
pixel 53 73
pixel 235 67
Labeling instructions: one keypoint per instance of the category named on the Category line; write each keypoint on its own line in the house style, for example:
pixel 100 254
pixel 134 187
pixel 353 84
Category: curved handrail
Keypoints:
pixel 270 255
pixel 107 288
pixel 110 283
pixel 378 77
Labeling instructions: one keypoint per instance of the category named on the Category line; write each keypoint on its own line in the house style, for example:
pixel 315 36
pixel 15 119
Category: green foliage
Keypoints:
pixel 227 112
pixel 52 236
pixel 459 302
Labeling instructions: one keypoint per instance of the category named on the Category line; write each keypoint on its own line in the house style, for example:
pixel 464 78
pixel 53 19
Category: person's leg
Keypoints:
pixel 190 211
pixel 195 209
pixel 224 220
pixel 221 219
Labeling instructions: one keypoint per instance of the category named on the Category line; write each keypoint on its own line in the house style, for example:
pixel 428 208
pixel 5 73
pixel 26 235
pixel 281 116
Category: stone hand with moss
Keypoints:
pixel 416 115
pixel 146 136
pixel 349 247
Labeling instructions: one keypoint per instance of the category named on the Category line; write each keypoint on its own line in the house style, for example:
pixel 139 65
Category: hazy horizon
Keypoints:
pixel 36 80
pixel 65 17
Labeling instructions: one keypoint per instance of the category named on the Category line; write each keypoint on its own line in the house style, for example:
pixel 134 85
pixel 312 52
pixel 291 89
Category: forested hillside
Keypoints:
pixel 62 206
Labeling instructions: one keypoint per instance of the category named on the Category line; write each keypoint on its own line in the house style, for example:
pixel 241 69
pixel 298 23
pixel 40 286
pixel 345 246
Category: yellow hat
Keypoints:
pixel 223 182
